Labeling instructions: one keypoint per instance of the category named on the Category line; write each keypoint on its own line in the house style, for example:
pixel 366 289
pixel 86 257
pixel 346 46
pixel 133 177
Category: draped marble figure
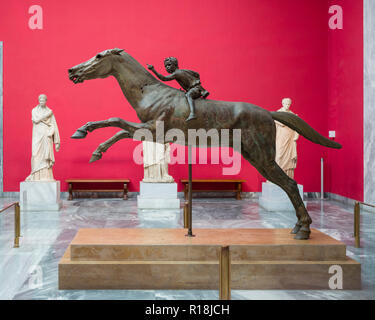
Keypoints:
pixel 45 135
pixel 286 143
pixel 156 157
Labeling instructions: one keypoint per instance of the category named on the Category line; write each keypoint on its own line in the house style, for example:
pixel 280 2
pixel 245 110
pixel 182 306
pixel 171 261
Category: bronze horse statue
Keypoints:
pixel 155 101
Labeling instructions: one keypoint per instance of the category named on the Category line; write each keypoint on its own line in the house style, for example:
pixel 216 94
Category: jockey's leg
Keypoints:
pixel 190 99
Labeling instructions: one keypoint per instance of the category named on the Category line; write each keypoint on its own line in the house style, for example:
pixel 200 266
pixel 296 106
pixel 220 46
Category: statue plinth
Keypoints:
pixel 40 196
pixel 273 198
pixel 164 259
pixel 158 196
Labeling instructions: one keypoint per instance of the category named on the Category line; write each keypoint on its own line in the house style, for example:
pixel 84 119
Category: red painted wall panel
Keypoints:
pixel 345 110
pixel 245 50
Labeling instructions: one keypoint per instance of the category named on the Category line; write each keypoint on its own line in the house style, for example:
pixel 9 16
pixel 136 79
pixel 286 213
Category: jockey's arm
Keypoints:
pixel 164 78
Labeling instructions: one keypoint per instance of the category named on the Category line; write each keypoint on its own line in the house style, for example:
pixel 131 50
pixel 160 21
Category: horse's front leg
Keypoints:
pixel 103 147
pixel 131 127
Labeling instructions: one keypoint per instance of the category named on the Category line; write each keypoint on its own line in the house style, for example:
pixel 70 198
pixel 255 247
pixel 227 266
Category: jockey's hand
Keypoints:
pixel 57 147
pixel 150 66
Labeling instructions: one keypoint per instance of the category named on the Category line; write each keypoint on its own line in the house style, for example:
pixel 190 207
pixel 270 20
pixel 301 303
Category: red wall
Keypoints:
pixel 245 50
pixel 345 109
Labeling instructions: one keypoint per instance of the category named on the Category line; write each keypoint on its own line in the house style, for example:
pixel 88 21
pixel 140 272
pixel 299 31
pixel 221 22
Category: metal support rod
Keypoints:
pixel 224 273
pixel 190 202
pixel 186 215
pixel 357 224
pixel 355 219
pixel 321 179
pixel 17 225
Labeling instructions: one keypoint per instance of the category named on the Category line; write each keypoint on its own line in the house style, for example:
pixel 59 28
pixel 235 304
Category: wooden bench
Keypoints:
pixel 75 183
pixel 236 183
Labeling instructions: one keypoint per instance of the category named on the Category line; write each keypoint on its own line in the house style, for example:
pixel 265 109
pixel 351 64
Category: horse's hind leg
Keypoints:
pixel 275 174
pixel 272 172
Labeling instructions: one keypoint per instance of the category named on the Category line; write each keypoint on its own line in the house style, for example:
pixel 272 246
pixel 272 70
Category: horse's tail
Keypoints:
pixel 297 124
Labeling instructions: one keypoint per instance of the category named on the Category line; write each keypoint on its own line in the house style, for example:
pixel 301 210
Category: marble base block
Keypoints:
pixel 40 196
pixel 165 259
pixel 158 196
pixel 273 198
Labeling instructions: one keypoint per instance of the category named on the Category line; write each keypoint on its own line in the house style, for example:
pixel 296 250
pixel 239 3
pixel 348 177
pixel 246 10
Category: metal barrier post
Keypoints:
pixel 17 222
pixel 224 273
pixel 17 225
pixel 357 224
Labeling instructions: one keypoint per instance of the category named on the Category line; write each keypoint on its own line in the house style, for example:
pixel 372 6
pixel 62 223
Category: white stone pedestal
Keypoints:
pixel 273 198
pixel 158 196
pixel 40 196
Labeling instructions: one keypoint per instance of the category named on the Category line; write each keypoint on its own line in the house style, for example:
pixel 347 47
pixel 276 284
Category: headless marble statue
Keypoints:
pixel 286 143
pixel 155 160
pixel 45 134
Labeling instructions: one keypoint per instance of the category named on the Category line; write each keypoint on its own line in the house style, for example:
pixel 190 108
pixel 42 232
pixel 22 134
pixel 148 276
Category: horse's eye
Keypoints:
pixel 98 56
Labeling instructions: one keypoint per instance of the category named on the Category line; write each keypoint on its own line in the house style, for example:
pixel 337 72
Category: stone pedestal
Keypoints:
pixel 273 198
pixel 40 196
pixel 158 218
pixel 165 259
pixel 158 196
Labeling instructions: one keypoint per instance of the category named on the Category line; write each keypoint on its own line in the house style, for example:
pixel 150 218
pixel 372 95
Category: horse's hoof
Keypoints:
pixel 79 134
pixel 302 235
pixel 296 228
pixel 95 156
pixel 191 117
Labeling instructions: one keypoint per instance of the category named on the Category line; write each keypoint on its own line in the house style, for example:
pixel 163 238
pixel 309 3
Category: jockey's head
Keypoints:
pixel 171 64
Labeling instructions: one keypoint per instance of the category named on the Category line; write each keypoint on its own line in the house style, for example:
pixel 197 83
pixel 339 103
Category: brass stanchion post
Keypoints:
pixel 17 225
pixel 224 265
pixel 357 224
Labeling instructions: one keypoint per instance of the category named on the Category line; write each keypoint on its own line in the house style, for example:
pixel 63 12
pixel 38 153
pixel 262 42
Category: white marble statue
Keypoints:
pixel 155 160
pixel 286 143
pixel 45 135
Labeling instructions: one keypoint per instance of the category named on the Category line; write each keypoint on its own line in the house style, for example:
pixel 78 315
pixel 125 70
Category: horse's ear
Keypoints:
pixel 117 51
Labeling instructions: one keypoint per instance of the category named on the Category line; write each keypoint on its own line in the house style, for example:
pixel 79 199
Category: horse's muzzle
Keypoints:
pixel 75 76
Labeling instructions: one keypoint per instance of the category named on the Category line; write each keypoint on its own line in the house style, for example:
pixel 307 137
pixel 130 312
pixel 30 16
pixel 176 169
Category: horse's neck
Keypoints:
pixel 132 77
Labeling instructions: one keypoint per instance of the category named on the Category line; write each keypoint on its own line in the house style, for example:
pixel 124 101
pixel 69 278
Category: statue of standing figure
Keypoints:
pixel 45 135
pixel 156 157
pixel 286 143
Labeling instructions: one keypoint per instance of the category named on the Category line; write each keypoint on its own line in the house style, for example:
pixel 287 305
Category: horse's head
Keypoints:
pixel 99 66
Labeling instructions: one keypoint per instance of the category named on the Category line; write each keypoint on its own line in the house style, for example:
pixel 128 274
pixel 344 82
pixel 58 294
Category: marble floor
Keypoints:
pixel 30 272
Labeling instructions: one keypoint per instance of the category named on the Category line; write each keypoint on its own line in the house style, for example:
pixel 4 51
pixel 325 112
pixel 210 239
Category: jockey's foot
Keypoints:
pixel 191 117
